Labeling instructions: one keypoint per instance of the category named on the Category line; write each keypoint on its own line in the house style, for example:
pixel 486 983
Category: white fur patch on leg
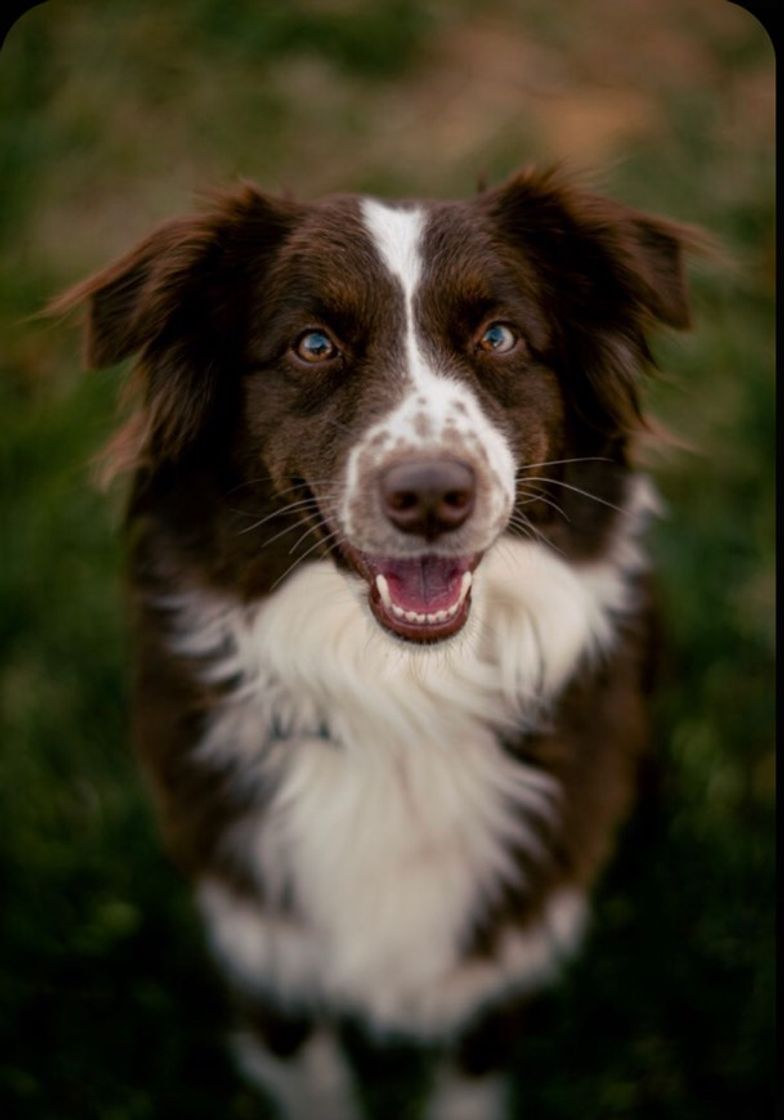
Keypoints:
pixel 315 1083
pixel 457 1097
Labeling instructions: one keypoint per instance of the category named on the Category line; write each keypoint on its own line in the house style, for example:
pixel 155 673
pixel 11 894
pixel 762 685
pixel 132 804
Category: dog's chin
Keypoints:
pixel 424 599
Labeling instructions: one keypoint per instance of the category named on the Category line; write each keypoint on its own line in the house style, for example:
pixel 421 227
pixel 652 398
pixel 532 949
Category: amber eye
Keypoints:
pixel 315 346
pixel 498 338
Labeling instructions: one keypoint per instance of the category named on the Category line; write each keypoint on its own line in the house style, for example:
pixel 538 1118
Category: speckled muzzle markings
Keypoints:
pixel 434 538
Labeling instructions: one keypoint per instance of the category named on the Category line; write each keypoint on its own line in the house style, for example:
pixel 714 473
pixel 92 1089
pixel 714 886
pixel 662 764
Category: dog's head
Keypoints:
pixel 408 380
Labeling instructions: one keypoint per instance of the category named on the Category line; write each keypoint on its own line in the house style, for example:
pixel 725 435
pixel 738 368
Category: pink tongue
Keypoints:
pixel 424 584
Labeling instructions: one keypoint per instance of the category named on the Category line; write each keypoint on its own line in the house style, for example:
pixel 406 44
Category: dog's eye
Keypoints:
pixel 498 338
pixel 315 346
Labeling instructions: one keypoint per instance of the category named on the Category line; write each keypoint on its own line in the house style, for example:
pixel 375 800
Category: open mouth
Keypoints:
pixel 423 598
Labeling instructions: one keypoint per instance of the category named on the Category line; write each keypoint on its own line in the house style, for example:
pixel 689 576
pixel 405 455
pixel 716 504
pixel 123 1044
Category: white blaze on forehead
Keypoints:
pixel 397 237
pixel 396 234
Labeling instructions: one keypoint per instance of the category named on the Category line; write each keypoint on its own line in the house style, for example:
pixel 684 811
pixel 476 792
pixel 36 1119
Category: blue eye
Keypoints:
pixel 498 339
pixel 315 346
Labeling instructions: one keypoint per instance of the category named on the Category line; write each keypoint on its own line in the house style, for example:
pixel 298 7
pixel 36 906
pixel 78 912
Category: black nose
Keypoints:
pixel 428 498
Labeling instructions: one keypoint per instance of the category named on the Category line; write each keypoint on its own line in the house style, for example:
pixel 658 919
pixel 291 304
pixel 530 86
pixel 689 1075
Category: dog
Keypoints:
pixel 395 625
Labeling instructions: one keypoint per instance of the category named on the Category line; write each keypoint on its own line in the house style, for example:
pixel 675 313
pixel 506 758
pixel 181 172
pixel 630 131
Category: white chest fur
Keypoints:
pixel 394 809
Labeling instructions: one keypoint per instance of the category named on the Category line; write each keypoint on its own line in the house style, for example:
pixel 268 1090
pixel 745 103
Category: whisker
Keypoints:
pixel 539 497
pixel 531 532
pixel 320 524
pixel 522 522
pixel 335 544
pixel 331 483
pixel 518 531
pixel 274 513
pixel 523 533
pixel 304 502
pixel 287 490
pixel 577 490
pixel 561 462
pixel 300 559
pixel 284 532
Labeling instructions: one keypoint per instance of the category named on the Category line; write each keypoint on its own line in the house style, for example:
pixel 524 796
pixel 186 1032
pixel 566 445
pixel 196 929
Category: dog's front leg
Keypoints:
pixel 458 1095
pixel 472 1079
pixel 307 1078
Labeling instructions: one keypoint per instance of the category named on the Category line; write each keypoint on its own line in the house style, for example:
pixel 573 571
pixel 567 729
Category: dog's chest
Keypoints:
pixel 387 849
pixel 388 814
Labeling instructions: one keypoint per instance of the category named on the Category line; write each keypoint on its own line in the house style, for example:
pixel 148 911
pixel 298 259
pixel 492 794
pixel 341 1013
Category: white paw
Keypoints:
pixel 457 1097
pixel 315 1084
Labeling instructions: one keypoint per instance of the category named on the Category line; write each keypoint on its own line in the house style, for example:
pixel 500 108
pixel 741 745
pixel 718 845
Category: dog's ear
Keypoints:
pixel 178 300
pixel 607 274
pixel 656 264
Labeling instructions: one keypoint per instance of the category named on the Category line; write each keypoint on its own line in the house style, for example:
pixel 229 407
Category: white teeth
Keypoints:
pixel 414 616
pixel 383 590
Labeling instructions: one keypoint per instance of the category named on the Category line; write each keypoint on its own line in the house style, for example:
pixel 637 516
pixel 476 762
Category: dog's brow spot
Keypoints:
pixel 379 438
pixel 422 425
pixel 453 440
pixel 460 408
pixel 421 401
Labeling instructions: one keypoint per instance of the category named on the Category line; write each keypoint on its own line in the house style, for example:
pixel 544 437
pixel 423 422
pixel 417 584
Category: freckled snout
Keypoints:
pixel 428 497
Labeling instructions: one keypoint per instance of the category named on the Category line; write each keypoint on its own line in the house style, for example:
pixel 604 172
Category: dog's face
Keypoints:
pixel 397 377
pixel 394 374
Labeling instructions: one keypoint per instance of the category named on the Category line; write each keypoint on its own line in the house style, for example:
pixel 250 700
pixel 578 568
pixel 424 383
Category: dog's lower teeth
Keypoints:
pixel 430 619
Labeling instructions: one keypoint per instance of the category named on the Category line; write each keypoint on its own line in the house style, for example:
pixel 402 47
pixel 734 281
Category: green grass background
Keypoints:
pixel 112 114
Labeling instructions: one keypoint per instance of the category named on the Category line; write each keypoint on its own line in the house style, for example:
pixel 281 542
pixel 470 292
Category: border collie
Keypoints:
pixel 393 612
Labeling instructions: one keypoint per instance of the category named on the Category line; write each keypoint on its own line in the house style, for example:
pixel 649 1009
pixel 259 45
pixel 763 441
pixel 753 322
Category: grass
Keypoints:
pixel 111 115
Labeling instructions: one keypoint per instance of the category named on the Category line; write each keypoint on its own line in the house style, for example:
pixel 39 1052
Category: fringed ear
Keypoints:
pixel 130 301
pixel 607 274
pixel 657 263
pixel 178 300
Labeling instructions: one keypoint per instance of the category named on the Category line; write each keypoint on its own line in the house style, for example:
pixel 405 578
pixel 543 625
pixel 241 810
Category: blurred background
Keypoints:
pixel 112 115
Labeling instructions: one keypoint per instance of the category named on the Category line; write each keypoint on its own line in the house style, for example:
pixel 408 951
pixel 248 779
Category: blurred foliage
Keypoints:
pixel 112 114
